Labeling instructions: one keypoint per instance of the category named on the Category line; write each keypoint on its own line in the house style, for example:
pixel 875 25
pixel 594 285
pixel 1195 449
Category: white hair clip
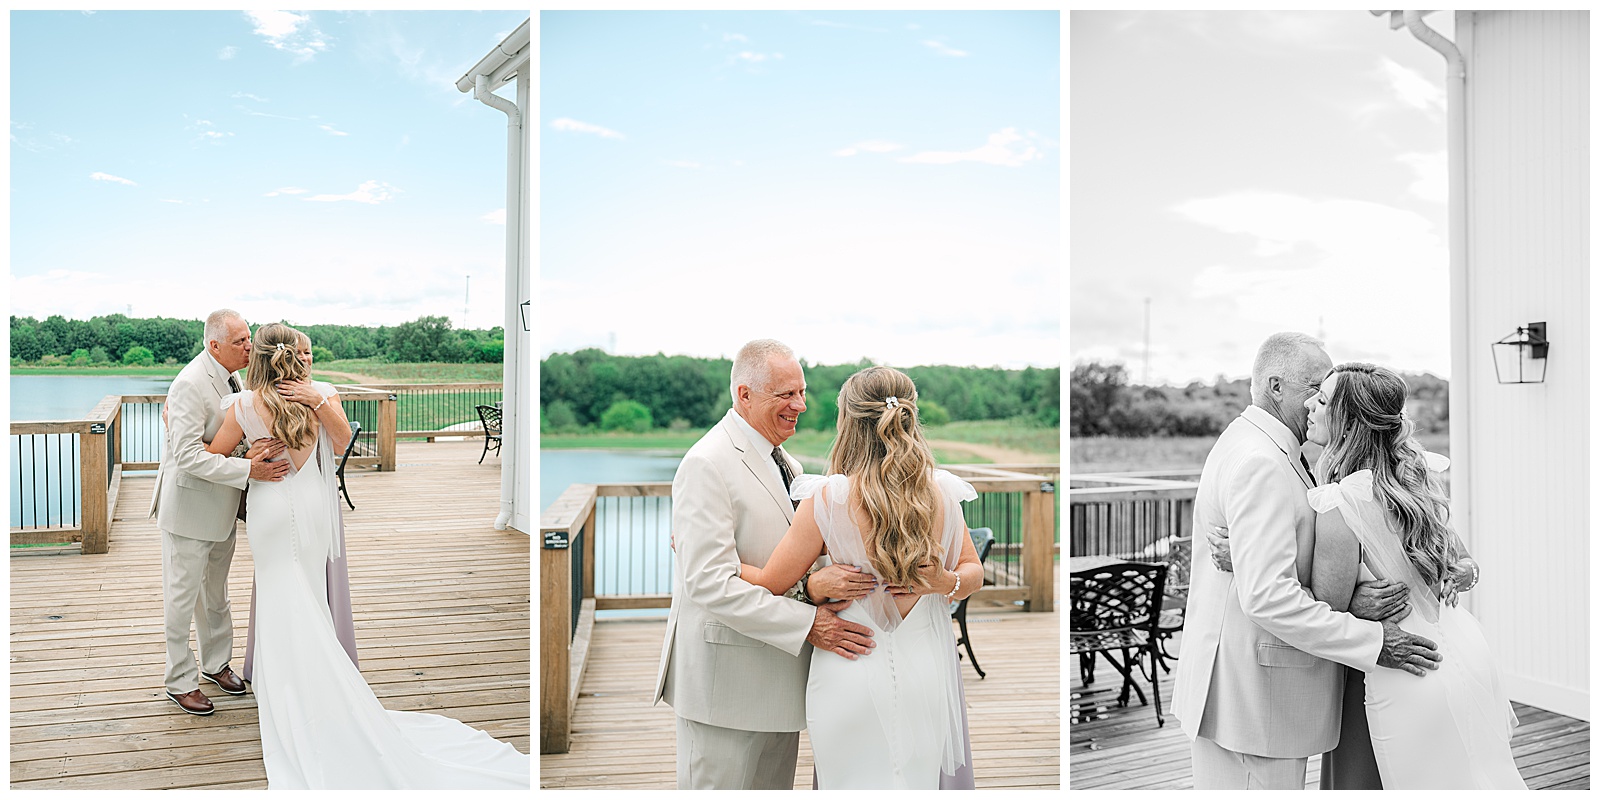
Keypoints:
pixel 891 401
pixel 280 346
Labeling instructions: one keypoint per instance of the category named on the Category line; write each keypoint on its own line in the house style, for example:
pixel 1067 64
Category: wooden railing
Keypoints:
pixel 572 526
pixel 1130 514
pixel 102 440
pixel 424 406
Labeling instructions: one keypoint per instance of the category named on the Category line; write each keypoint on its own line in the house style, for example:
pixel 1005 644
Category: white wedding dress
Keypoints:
pixel 1451 728
pixel 891 719
pixel 321 726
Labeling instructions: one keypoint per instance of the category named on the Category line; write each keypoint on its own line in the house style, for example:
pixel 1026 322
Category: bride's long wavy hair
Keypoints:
pixel 1369 430
pixel 273 358
pixel 881 449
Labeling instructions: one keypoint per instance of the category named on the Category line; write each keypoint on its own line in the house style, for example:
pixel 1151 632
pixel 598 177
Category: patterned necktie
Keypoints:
pixel 783 469
pixel 233 384
pixel 1307 465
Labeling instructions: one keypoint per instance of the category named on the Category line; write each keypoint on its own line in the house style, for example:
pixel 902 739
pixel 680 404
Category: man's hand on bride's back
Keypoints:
pixel 1380 600
pixel 839 636
pixel 1401 650
pixel 840 582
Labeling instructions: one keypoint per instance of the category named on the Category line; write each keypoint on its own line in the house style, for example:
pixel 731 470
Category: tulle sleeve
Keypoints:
pixel 1324 498
pixel 324 388
pixel 228 401
pixel 954 488
pixel 806 485
pixel 1436 462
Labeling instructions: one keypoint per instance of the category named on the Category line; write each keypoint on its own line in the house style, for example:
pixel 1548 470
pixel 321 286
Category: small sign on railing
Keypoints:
pixel 97 427
pixel 555 540
pixel 1048 487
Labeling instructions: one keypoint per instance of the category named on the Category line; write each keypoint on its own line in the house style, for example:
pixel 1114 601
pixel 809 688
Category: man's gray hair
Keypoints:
pixel 1283 355
pixel 217 325
pixel 752 367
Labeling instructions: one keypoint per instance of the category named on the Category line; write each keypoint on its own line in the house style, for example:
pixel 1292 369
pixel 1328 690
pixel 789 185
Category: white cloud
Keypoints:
pixel 215 135
pixel 101 176
pixel 369 192
pixel 869 146
pixel 944 50
pixel 683 163
pixel 735 37
pixel 227 53
pixel 1006 148
pixel 285 190
pixel 332 130
pixel 1433 175
pixel 1375 275
pixel 495 217
pixel 1411 88
pixel 565 124
pixel 249 96
pixel 289 32
pixel 179 202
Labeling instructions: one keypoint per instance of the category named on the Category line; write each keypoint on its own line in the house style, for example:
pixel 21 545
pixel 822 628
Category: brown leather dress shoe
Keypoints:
pixel 226 680
pixel 194 702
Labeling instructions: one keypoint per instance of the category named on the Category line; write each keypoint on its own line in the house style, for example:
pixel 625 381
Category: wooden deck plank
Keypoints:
pixel 1124 748
pixel 620 741
pixel 441 603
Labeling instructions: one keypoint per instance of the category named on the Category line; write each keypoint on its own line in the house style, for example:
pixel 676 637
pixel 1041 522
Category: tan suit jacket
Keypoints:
pixel 197 493
pixel 735 655
pixel 1257 671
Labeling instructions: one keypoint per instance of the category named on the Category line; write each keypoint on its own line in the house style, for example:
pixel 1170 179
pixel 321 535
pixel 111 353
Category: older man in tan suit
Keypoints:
pixel 735 658
pixel 1258 683
pixel 196 500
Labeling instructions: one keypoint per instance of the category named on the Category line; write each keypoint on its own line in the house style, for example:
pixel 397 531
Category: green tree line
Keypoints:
pixel 162 340
pixel 591 388
pixel 1104 403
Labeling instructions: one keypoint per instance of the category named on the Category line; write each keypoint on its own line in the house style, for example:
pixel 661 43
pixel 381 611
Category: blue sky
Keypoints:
pixel 1251 172
pixel 858 184
pixel 316 166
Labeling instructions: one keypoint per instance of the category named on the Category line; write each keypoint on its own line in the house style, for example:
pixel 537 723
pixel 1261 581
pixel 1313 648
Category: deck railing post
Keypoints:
pixel 588 551
pixel 555 642
pixel 388 424
pixel 94 466
pixel 1038 546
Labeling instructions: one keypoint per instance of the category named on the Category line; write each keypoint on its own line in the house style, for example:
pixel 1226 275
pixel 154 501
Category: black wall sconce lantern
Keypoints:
pixel 524 310
pixel 1520 357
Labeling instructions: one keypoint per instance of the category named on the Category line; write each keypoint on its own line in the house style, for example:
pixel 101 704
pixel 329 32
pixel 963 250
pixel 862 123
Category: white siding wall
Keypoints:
pixel 1528 261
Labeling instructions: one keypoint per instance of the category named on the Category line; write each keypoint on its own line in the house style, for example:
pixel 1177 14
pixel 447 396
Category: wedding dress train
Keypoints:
pixel 321 725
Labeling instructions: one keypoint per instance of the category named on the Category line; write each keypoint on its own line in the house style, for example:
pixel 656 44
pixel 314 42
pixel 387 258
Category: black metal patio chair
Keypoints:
pixel 490 415
pixel 983 542
pixel 355 428
pixel 1175 600
pixel 1116 608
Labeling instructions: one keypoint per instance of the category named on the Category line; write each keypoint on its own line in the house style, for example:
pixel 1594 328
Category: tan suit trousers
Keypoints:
pixel 1218 768
pixel 710 757
pixel 195 574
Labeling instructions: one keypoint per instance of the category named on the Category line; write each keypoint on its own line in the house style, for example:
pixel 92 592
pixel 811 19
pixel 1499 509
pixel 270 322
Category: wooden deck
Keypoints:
pixel 441 605
pixel 1123 748
pixel 620 741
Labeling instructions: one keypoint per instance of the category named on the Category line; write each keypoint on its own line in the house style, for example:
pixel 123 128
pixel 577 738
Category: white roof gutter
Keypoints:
pixel 1460 344
pixel 503 63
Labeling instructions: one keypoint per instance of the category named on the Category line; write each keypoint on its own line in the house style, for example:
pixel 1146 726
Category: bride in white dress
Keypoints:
pixel 891 719
pixel 1383 514
pixel 321 726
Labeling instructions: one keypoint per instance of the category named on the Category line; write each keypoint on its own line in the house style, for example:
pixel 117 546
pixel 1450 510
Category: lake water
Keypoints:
pixel 632 548
pixel 57 397
pixel 44 487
